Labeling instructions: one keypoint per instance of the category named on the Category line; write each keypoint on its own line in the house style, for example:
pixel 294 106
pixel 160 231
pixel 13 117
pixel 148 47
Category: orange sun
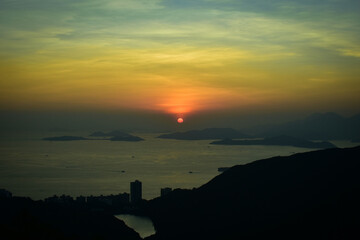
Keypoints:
pixel 180 120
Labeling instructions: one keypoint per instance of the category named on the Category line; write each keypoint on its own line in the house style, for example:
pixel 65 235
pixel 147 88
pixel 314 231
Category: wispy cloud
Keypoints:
pixel 241 48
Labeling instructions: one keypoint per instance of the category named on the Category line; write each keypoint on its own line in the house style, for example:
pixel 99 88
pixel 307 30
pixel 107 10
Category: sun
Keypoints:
pixel 180 120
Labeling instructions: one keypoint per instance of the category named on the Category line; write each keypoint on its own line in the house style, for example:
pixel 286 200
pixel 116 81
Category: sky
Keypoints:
pixel 180 57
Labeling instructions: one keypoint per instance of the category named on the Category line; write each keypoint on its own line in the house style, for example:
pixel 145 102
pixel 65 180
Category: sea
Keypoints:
pixel 32 167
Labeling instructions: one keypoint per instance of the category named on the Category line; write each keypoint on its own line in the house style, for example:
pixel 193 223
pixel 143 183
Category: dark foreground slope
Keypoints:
pixel 312 195
pixel 22 218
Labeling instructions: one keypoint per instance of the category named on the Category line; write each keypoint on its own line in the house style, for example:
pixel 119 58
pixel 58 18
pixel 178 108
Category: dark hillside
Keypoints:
pixel 312 195
pixel 23 218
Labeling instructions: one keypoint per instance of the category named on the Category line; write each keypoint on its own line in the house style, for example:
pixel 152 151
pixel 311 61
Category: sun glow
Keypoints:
pixel 180 120
pixel 180 103
pixel 136 62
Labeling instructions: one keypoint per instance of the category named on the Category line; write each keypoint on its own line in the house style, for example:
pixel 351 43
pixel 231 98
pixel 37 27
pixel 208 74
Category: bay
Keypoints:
pixel 32 167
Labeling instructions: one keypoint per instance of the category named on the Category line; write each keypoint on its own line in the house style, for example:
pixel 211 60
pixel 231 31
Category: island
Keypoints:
pixel 205 134
pixel 277 141
pixel 117 136
pixel 112 136
pixel 129 138
pixel 65 138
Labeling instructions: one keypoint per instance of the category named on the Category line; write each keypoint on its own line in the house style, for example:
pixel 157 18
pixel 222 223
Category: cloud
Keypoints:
pixel 130 48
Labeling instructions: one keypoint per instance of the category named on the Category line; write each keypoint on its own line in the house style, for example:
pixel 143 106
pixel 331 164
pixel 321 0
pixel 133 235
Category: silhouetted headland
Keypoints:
pixel 205 134
pixel 65 138
pixel 223 169
pixel 313 195
pixel 277 141
pixel 112 136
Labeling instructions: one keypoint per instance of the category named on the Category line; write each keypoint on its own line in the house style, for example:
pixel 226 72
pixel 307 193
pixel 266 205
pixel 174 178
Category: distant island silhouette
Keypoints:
pixel 277 141
pixel 205 134
pixel 65 138
pixel 112 136
pixel 117 136
pixel 129 138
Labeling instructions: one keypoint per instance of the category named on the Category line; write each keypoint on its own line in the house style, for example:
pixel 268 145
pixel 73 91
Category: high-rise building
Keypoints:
pixel 135 191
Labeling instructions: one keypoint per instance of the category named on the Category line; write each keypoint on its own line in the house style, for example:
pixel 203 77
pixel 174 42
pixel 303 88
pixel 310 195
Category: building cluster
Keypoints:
pixel 111 200
pixel 60 199
pixel 121 199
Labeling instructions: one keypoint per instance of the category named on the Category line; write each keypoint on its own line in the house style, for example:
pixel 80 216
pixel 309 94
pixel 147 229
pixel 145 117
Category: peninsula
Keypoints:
pixel 117 136
pixel 65 138
pixel 112 136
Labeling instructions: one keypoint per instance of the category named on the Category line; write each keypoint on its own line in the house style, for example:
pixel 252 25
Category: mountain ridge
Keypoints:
pixel 307 195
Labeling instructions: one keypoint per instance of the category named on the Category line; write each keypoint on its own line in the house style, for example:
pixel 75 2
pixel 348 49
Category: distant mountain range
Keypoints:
pixel 313 195
pixel 319 126
pixel 112 136
pixel 129 138
pixel 117 136
pixel 277 141
pixel 65 138
pixel 205 134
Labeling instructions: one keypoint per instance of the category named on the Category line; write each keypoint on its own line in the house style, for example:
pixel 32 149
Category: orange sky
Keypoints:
pixel 178 59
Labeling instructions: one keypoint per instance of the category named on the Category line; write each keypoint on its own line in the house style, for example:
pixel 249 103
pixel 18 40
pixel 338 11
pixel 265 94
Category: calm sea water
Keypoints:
pixel 39 169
